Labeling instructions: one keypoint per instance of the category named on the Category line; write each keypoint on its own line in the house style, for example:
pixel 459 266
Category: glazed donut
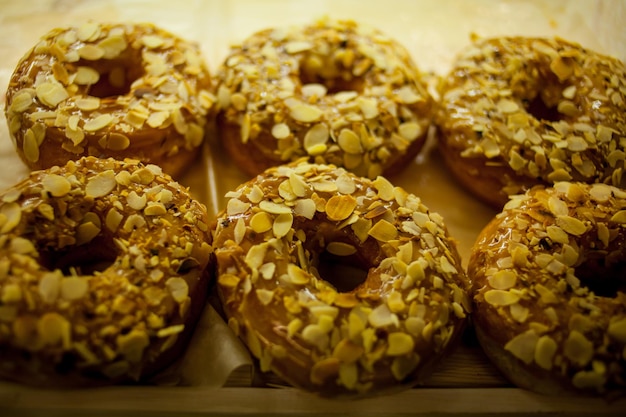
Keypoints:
pixel 337 92
pixel 109 90
pixel 549 289
pixel 103 273
pixel 516 112
pixel 398 308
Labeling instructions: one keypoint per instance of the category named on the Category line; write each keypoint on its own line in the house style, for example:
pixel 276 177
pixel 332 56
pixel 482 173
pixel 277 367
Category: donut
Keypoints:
pixel 340 285
pixel 335 91
pixel 549 289
pixel 516 112
pixel 109 90
pixel 104 269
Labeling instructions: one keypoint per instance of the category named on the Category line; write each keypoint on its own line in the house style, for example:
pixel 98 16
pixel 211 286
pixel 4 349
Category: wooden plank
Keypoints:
pixel 466 383
pixel 265 401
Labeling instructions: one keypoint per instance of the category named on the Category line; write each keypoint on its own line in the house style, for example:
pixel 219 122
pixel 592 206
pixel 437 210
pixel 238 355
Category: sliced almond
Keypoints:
pixel 340 207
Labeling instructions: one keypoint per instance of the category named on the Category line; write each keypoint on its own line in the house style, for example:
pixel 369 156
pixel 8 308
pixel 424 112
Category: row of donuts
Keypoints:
pixel 342 95
pixel 513 112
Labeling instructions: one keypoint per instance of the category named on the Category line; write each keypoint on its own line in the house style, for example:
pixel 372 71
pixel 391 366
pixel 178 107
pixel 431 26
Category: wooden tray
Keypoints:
pixel 466 383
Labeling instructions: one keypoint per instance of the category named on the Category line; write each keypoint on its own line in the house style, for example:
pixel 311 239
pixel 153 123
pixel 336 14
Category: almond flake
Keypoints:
pixel 340 207
pixel 571 225
pixel 315 139
pixel 178 288
pixel 305 208
pixel 502 280
pixel 314 90
pixel 545 351
pixel 562 68
pixel 274 208
pixel 157 119
pixel 547 296
pixel 101 184
pixel 399 344
pixel 118 142
pixel 56 185
pixel 523 346
pixel 261 222
pixel 501 297
pixel 305 113
pixel 383 231
pixel 282 224
pixel 21 102
pixel 507 106
pixel 99 122
pixel 369 107
pixel 152 41
pixel 236 206
pixel 85 232
pixel 88 31
pixel 617 330
pixel 88 103
pixel 294 47
pixel 73 288
pixel 280 131
pixel 91 52
pixel 381 316
pixel 619 217
pixel 86 76
pixel 406 94
pixel 51 94
pixel 557 206
pixel 340 249
pixel 264 296
pixel 297 275
pixel 410 130
pixel 385 188
pixel 578 348
pixel 255 256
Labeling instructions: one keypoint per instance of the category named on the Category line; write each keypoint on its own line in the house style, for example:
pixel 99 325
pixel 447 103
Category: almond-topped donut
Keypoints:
pixel 516 112
pixel 549 278
pixel 378 330
pixel 110 90
pixel 103 273
pixel 335 91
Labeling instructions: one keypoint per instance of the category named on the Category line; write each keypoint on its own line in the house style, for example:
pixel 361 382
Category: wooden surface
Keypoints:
pixel 466 383
pixel 144 401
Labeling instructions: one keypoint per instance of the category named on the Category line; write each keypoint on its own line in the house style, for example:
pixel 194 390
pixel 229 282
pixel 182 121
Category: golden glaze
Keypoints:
pixel 103 272
pixel 516 112
pixel 334 91
pixel 387 333
pixel 118 90
pixel 549 289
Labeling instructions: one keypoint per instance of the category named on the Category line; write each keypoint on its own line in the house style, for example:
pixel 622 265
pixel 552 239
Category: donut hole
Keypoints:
pixel 335 76
pixel 345 273
pixel 603 275
pixel 86 259
pixel 115 77
pixel 540 110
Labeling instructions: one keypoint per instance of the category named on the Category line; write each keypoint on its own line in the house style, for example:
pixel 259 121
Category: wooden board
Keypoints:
pixel 433 31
